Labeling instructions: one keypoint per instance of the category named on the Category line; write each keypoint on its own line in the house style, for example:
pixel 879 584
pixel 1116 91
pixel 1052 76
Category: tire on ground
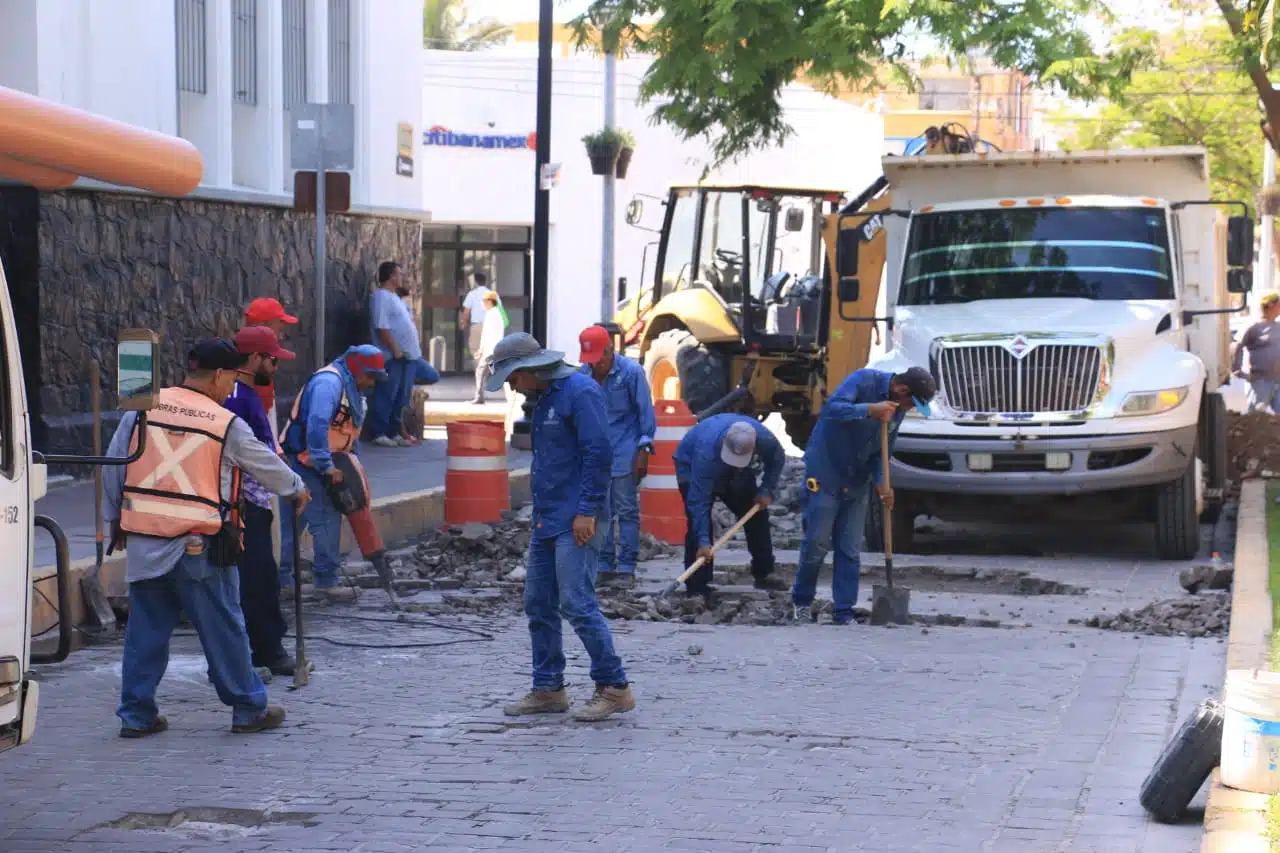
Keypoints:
pixel 904 527
pixel 1185 763
pixel 1213 444
pixel 1177 527
pixel 703 373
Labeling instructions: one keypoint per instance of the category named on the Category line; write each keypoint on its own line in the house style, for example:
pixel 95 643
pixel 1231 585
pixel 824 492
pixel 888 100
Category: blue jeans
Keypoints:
pixel 622 502
pixel 324 522
pixel 424 373
pixel 829 518
pixel 390 397
pixel 561 583
pixel 210 597
pixel 1264 394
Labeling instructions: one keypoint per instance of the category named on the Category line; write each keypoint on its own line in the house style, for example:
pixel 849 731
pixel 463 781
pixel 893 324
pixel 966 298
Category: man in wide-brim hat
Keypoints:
pixel 572 460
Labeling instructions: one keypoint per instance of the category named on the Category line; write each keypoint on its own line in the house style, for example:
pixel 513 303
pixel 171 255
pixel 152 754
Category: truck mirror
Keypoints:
pixel 794 220
pixel 1240 242
pixel 848 289
pixel 137 370
pixel 847 244
pixel 635 209
pixel 1239 280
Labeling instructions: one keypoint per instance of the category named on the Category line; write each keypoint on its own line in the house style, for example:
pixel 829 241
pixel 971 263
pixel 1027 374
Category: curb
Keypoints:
pixel 1236 821
pixel 398 517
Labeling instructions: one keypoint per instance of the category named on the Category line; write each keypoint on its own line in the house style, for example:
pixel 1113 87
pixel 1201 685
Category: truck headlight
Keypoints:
pixel 1152 402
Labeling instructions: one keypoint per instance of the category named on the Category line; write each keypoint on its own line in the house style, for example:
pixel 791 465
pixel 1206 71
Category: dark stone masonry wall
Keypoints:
pixel 184 268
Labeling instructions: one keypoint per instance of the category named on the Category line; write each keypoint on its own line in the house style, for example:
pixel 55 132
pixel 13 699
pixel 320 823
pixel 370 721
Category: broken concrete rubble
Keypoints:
pixel 1204 615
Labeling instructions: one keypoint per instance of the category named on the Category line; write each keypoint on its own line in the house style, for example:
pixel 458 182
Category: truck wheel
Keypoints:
pixel 799 428
pixel 1213 443
pixel 1177 527
pixel 1186 762
pixel 677 363
pixel 904 527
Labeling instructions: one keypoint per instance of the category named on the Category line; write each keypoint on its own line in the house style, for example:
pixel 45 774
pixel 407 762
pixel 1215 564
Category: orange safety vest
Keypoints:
pixel 342 429
pixel 175 488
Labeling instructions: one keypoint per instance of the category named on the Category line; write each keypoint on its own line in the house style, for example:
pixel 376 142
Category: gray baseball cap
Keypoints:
pixel 739 445
pixel 517 351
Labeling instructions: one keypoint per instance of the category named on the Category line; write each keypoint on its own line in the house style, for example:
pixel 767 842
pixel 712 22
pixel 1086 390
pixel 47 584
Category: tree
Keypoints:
pixel 720 65
pixel 1193 94
pixel 444 27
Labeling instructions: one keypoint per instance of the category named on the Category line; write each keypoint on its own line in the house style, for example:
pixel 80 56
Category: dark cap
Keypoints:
pixel 215 354
pixel 255 339
pixel 921 385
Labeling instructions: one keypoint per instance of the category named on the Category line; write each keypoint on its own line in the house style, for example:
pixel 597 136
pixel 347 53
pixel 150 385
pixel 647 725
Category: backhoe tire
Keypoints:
pixel 1185 763
pixel 1213 444
pixel 1177 527
pixel 703 373
pixel 904 527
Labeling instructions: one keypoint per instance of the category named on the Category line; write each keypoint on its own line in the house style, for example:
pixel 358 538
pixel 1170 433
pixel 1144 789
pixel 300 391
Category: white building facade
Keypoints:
pixel 225 74
pixel 477 156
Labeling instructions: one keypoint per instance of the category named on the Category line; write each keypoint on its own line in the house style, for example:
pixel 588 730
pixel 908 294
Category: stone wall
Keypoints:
pixel 186 268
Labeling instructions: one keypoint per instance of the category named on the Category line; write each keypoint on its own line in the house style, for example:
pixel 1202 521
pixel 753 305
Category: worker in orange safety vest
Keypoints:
pixel 176 510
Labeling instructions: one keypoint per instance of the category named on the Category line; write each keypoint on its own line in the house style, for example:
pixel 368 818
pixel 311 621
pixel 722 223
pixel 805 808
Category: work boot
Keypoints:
pixel 615 580
pixel 606 702
pixel 771 582
pixel 272 719
pixel 802 613
pixel 158 725
pixel 337 594
pixel 539 702
pixel 283 665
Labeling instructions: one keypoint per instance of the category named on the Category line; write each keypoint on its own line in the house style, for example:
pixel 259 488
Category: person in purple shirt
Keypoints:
pixel 259 575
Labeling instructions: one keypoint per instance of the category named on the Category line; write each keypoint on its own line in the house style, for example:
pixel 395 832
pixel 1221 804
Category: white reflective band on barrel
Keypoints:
pixel 669 433
pixel 659 481
pixel 475 463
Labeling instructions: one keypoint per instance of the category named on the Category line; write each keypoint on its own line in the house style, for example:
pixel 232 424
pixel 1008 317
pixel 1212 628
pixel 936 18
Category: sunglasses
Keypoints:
pixel 269 359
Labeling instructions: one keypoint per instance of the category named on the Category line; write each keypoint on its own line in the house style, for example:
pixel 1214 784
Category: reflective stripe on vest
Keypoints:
pixel 175 488
pixel 342 429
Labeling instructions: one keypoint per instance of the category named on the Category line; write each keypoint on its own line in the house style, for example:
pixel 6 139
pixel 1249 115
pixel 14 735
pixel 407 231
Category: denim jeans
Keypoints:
pixel 210 596
pixel 560 583
pixel 260 588
pixel 826 518
pixel 324 522
pixel 390 397
pixel 623 503
pixel 1264 394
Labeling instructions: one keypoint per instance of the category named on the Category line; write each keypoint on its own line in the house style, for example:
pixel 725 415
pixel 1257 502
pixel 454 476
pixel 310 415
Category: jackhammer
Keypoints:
pixel 350 496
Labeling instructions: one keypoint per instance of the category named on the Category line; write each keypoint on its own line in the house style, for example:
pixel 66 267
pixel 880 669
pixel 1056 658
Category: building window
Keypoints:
pixel 295 53
pixel 946 94
pixel 339 51
pixel 191 46
pixel 244 51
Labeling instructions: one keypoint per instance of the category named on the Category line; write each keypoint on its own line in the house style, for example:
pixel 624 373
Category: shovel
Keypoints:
pixel 697 564
pixel 301 666
pixel 888 603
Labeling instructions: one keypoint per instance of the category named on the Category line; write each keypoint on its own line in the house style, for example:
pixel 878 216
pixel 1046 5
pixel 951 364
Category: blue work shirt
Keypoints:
pixel 320 400
pixel 844 450
pixel 629 407
pixel 699 466
pixel 571 454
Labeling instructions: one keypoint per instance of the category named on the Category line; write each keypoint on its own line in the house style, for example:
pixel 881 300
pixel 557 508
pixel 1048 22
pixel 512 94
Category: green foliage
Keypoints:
pixel 721 65
pixel 609 138
pixel 1194 94
pixel 445 27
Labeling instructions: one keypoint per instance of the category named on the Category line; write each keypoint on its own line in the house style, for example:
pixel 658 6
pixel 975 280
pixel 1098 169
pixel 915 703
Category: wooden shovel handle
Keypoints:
pixel 697 564
pixel 886 512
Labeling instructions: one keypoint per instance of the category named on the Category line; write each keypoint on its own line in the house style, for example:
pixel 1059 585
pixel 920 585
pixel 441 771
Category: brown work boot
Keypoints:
pixel 337 594
pixel 605 703
pixel 539 702
pixel 272 719
pixel 158 725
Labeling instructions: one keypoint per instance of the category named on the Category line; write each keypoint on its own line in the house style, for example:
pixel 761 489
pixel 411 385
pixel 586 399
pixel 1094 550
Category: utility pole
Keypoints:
pixel 322 257
pixel 1267 248
pixel 609 42
pixel 542 197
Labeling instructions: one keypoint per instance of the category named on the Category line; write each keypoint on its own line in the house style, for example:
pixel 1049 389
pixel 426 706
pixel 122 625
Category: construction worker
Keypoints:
pixel 632 425
pixel 259 578
pixel 570 474
pixel 268 312
pixel 176 505
pixel 326 418
pixel 714 460
pixel 842 464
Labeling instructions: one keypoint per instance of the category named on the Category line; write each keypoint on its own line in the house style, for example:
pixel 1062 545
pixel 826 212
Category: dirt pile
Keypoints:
pixel 1253 446
pixel 1206 615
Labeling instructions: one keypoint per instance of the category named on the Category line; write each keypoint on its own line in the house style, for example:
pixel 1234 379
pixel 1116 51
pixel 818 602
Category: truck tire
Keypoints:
pixel 702 372
pixel 1177 528
pixel 1184 764
pixel 904 527
pixel 799 428
pixel 1213 443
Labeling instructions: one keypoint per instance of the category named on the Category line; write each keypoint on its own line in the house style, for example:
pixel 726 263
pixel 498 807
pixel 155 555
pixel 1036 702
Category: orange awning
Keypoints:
pixel 49 145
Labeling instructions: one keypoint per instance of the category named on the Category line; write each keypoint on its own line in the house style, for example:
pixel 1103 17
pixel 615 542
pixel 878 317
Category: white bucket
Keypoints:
pixel 1251 731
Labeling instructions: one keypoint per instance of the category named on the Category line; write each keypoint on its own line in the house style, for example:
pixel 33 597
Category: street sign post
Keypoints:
pixel 321 138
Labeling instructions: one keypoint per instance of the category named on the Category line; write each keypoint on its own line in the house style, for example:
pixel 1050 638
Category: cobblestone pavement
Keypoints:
pixel 796 739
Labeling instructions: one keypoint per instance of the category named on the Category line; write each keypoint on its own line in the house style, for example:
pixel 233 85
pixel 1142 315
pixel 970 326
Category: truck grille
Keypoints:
pixel 1048 378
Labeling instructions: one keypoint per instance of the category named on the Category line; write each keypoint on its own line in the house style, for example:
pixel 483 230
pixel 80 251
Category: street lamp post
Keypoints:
pixel 604 21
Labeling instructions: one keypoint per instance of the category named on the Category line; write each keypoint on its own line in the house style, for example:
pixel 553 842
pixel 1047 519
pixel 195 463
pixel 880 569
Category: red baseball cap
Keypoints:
pixel 254 339
pixel 264 309
pixel 594 340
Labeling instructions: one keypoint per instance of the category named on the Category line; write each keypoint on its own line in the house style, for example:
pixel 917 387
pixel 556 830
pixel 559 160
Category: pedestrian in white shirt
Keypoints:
pixel 471 321
pixel 493 330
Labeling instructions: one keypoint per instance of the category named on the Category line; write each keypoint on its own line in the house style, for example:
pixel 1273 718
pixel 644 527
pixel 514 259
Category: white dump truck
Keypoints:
pixel 1073 308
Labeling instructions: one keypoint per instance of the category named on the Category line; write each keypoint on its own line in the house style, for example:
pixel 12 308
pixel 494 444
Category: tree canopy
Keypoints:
pixel 445 27
pixel 720 65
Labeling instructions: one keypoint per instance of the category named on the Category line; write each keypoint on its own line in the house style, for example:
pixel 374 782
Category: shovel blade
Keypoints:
pixel 890 605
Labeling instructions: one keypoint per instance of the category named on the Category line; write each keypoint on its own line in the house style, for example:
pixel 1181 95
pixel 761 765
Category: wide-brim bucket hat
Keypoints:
pixel 518 351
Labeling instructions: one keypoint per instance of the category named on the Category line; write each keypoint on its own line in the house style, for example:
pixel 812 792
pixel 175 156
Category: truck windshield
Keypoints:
pixel 1109 253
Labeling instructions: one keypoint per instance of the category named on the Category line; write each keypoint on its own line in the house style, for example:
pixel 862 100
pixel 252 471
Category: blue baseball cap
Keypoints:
pixel 922 387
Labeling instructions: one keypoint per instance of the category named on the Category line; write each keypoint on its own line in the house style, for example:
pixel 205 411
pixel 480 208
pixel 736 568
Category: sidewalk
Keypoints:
pixel 391 470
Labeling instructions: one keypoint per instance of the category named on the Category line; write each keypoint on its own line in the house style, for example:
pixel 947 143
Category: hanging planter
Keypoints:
pixel 624 154
pixel 603 148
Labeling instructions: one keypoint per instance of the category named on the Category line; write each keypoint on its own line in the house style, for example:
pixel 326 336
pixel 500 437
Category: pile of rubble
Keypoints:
pixel 1206 615
pixel 1253 446
pixel 784 512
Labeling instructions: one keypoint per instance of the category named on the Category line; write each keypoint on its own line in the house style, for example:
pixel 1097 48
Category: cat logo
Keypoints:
pixel 812 484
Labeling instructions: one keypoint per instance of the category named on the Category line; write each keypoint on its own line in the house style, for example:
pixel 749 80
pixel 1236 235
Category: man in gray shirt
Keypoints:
pixel 396 334
pixel 1262 341
pixel 176 504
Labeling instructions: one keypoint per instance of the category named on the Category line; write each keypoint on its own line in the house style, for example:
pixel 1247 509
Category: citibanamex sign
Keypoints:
pixel 443 136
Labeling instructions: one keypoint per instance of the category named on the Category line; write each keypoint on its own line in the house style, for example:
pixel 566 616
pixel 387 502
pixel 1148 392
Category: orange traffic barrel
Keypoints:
pixel 475 479
pixel 661 509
